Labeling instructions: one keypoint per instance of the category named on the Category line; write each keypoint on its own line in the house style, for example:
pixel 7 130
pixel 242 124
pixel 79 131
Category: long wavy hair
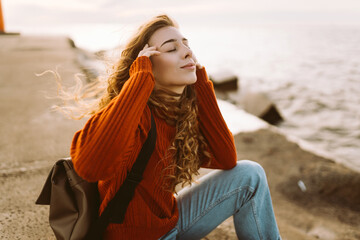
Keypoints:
pixel 189 147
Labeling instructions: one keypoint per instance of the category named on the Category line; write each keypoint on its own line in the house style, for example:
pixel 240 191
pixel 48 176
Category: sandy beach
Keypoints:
pixel 314 197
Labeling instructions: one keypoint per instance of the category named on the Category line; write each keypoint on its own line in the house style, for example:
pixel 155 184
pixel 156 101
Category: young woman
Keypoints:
pixel 158 73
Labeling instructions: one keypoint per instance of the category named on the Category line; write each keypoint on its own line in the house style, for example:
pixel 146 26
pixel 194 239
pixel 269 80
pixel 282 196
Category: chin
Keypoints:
pixel 191 80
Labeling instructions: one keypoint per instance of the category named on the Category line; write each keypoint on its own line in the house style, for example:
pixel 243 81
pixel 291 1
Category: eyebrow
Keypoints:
pixel 172 40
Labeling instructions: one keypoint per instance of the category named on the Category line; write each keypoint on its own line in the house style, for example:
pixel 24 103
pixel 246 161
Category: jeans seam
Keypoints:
pixel 256 218
pixel 211 206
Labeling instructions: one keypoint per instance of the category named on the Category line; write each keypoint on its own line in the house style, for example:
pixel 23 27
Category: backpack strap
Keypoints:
pixel 116 208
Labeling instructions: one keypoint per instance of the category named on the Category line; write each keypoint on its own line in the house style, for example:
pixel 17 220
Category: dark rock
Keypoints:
pixel 272 115
pixel 224 80
pixel 260 105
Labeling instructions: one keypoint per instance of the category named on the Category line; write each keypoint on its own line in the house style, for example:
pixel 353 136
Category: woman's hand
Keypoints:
pixel 148 51
pixel 198 65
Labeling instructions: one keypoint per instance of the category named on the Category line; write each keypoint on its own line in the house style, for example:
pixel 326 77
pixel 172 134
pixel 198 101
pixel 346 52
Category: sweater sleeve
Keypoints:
pixel 98 149
pixel 212 125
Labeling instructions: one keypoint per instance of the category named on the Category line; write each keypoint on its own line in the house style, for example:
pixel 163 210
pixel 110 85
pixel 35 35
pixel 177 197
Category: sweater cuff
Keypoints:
pixel 203 83
pixel 202 77
pixel 141 64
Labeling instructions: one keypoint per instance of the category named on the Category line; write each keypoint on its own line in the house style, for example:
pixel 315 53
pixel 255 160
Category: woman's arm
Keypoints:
pixel 101 147
pixel 212 125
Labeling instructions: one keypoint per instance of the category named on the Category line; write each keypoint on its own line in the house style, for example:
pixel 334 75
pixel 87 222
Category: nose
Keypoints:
pixel 187 51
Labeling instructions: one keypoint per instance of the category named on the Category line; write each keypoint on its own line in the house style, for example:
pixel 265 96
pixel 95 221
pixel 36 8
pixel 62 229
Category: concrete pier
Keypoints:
pixel 32 137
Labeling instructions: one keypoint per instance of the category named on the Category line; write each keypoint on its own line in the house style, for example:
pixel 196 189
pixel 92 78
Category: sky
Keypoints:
pixel 100 17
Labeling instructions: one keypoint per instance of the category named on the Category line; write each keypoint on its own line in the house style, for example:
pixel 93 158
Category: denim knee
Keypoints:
pixel 251 172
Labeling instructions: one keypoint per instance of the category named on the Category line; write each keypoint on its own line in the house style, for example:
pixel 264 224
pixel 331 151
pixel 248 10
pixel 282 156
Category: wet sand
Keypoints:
pixel 33 138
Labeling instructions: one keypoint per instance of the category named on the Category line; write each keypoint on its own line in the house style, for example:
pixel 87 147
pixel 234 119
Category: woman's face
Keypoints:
pixel 174 67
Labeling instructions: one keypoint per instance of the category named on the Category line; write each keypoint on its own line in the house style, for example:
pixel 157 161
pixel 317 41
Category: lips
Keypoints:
pixel 189 65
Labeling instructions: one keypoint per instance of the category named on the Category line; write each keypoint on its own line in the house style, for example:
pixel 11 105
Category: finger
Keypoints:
pixel 151 48
pixel 151 53
pixel 146 46
pixel 148 51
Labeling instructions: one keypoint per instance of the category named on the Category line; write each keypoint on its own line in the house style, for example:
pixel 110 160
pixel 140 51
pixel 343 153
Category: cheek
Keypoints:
pixel 163 67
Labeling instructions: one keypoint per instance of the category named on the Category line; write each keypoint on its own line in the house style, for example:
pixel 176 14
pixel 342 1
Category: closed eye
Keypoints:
pixel 172 50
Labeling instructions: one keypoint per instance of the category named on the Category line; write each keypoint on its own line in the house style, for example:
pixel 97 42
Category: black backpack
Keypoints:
pixel 74 202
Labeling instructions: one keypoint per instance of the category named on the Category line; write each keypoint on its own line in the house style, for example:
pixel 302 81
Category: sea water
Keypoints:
pixel 310 72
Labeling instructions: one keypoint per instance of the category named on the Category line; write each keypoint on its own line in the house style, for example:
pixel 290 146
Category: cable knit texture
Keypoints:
pixel 108 145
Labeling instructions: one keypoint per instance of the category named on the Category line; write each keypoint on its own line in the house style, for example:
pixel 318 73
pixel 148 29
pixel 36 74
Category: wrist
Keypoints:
pixel 141 64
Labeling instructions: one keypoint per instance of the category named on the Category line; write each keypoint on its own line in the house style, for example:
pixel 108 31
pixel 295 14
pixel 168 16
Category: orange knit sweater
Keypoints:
pixel 108 145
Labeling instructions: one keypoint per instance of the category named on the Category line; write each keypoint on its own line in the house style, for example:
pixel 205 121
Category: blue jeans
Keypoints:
pixel 241 192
